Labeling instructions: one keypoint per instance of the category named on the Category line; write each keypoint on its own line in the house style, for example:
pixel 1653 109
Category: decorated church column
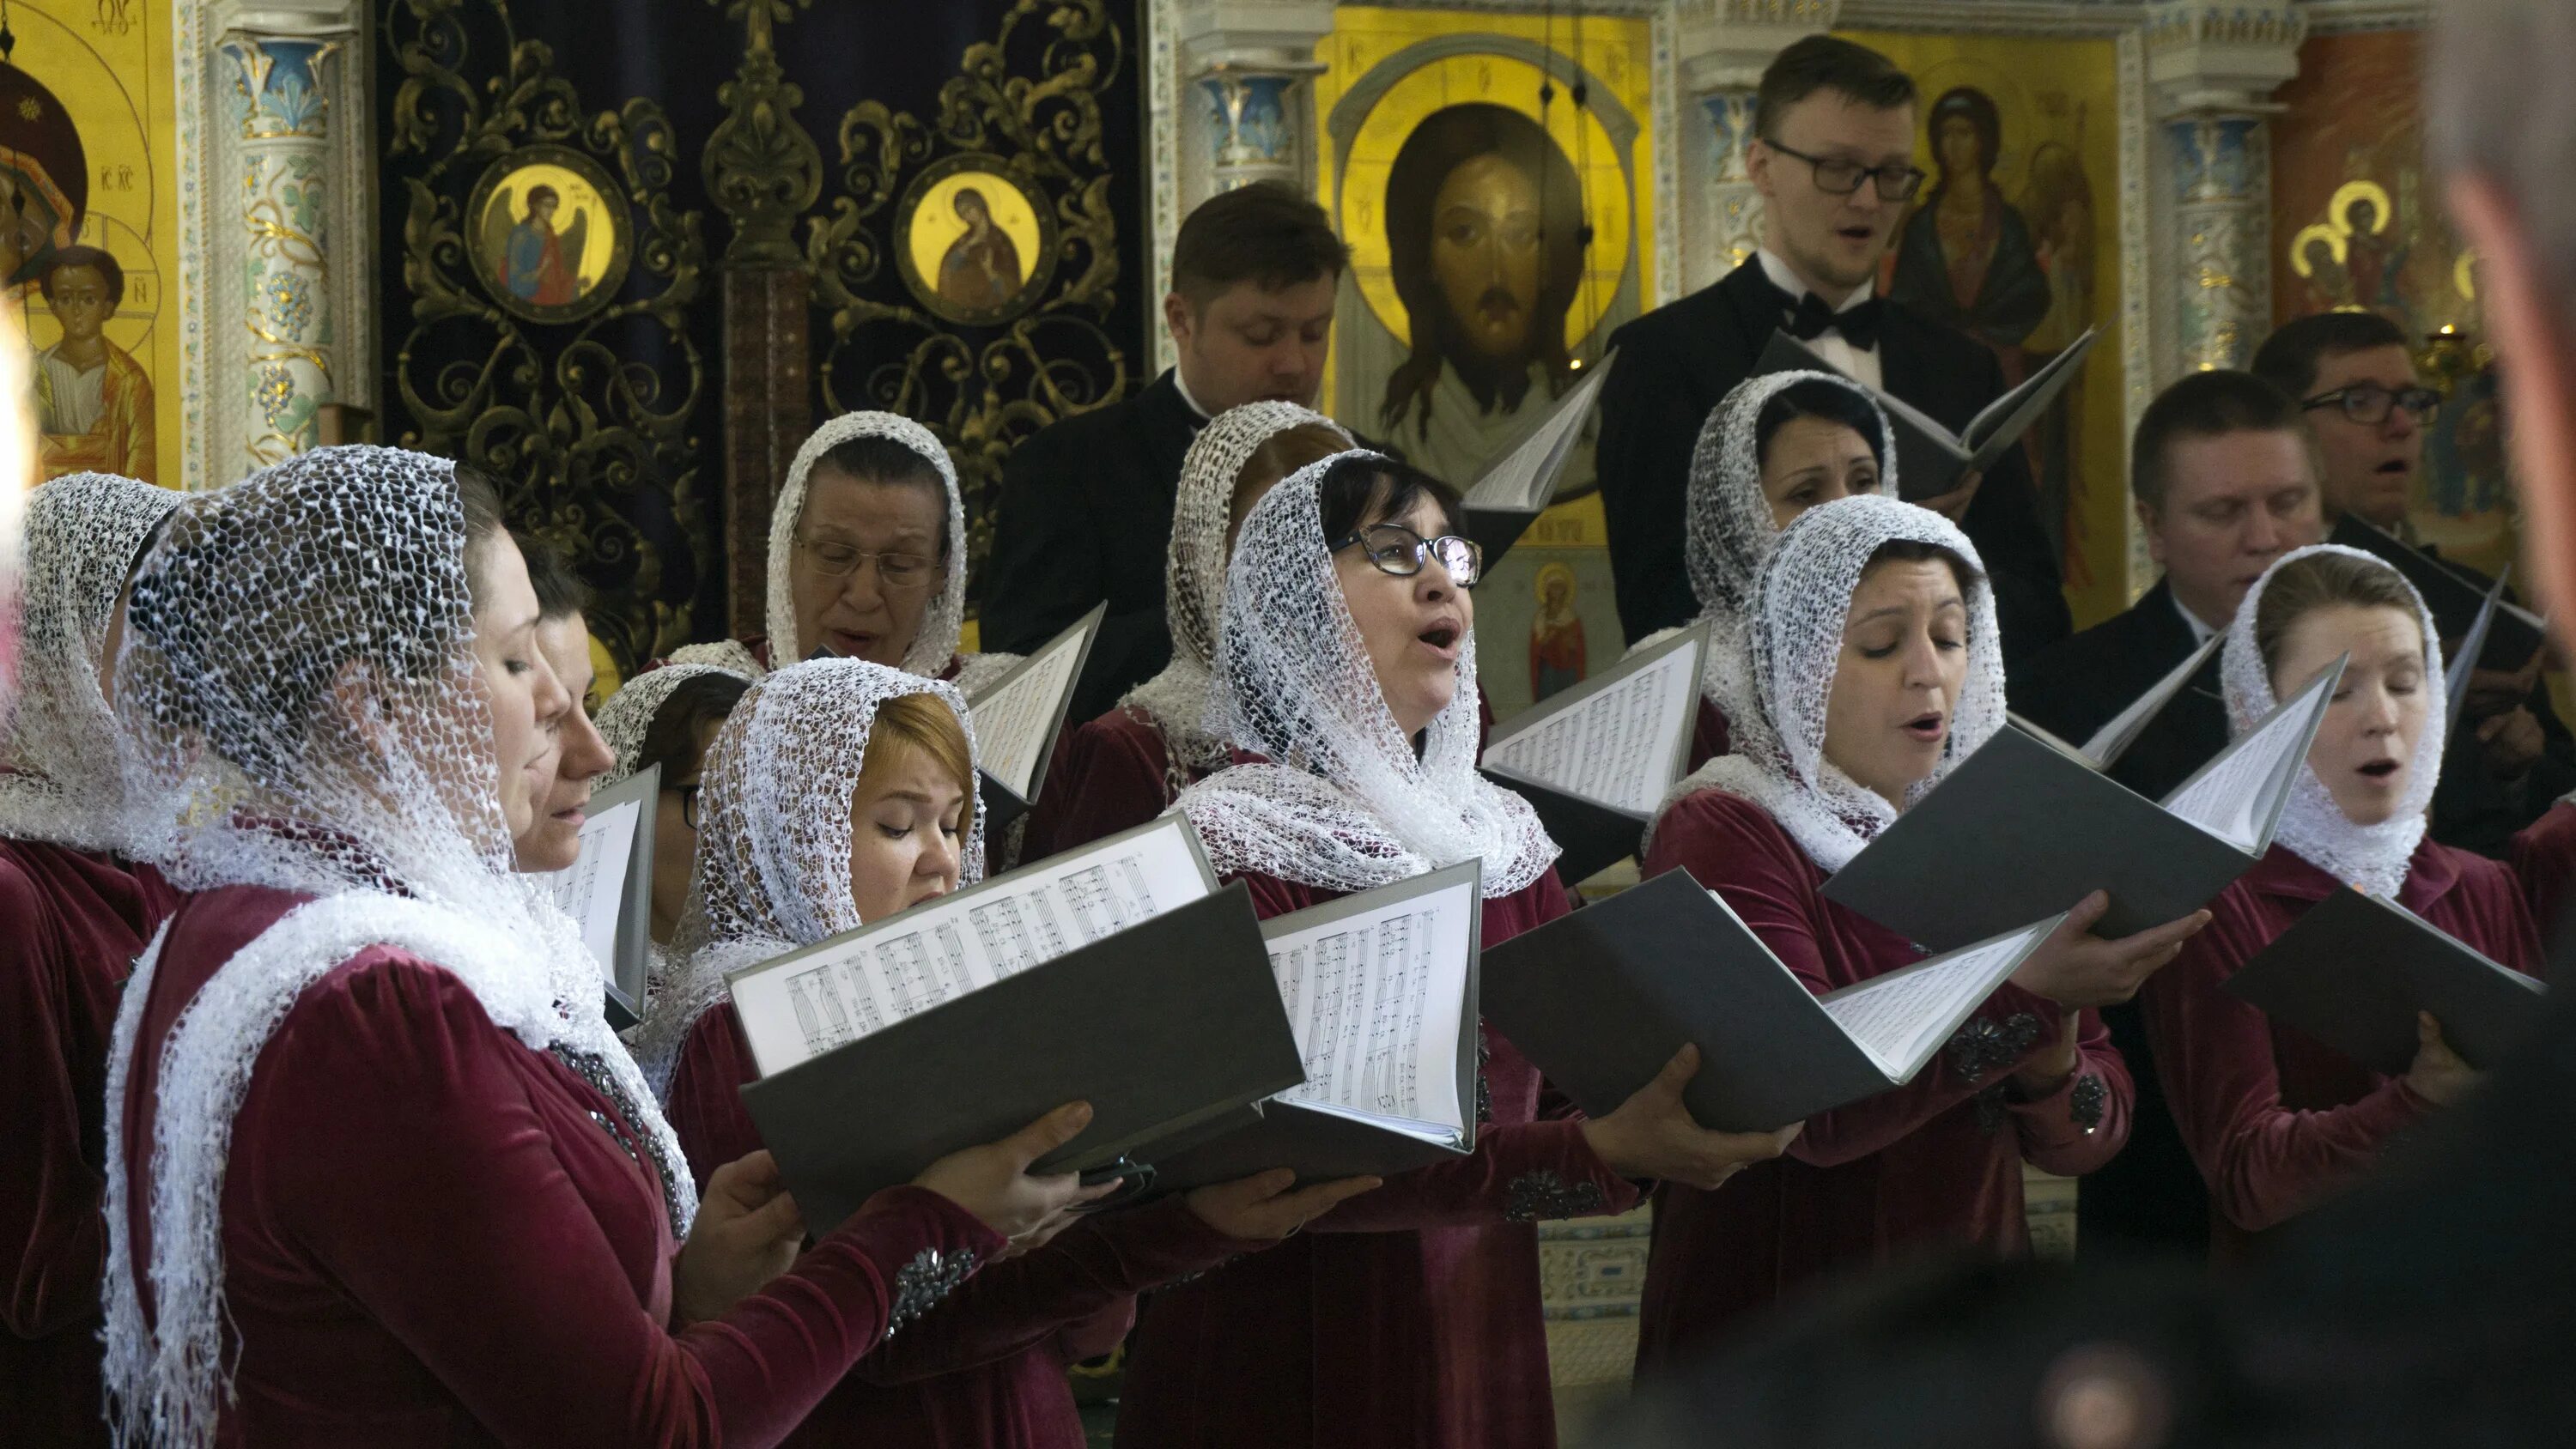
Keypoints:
pixel 2213 67
pixel 1723 47
pixel 1245 115
pixel 278 77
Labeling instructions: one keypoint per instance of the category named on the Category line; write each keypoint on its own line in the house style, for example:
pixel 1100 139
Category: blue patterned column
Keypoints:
pixel 1251 127
pixel 278 97
pixel 2221 202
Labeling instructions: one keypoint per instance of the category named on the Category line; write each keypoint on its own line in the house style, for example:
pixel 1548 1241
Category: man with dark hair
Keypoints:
pixel 1833 156
pixel 2356 382
pixel 1086 506
pixel 94 404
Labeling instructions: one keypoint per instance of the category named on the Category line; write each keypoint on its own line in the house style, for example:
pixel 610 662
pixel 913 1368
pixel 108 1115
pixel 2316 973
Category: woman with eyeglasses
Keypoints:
pixel 866 558
pixel 665 717
pixel 1346 683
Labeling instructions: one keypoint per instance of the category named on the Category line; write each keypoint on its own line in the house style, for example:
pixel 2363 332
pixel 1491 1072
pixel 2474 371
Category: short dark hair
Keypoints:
pixel 559 594
pixel 2204 405
pixel 874 459
pixel 1265 233
pixel 677 738
pixel 2296 351
pixel 93 258
pixel 1366 488
pixel 1828 63
pixel 478 496
pixel 1914 550
pixel 1822 399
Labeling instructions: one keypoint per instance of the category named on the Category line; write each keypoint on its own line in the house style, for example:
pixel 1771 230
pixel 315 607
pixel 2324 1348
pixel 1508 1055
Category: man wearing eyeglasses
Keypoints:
pixel 2356 383
pixel 1833 156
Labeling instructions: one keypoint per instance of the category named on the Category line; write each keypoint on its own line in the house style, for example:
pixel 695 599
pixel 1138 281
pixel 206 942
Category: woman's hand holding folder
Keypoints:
pixel 1261 1209
pixel 1653 1135
pixel 993 1181
pixel 2076 968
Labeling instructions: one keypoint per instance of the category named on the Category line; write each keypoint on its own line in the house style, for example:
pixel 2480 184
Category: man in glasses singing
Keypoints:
pixel 2355 380
pixel 1832 153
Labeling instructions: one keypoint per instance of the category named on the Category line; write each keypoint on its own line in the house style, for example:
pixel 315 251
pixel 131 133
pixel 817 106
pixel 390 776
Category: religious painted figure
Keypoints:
pixel 93 400
pixel 981 268
pixel 1556 654
pixel 540 265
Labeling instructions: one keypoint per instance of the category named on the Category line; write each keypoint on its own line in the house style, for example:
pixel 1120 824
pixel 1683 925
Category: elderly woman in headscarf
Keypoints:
pixel 1126 767
pixel 840 793
pixel 78 910
pixel 1346 683
pixel 1869 667
pixel 378 1171
pixel 2277 1121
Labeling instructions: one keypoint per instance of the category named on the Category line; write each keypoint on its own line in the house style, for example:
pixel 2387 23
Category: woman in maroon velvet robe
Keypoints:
pixel 1125 767
pixel 1409 1316
pixel 2278 1121
pixel 378 1172
pixel 77 912
pixel 840 792
pixel 2543 857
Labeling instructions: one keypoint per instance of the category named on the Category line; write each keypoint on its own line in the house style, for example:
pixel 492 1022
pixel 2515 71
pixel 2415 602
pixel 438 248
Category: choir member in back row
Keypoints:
pixel 77 910
pixel 1866 670
pixel 1087 503
pixel 552 840
pixel 838 794
pixel 2278 1121
pixel 1409 1315
pixel 666 717
pixel 378 1171
pixel 1125 767
pixel 1832 154
pixel 2225 477
pixel 866 558
pixel 1777 446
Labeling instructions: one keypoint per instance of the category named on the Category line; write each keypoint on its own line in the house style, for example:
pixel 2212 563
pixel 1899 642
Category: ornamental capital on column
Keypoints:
pixel 1256 37
pixel 1724 45
pixel 2222 57
pixel 282 19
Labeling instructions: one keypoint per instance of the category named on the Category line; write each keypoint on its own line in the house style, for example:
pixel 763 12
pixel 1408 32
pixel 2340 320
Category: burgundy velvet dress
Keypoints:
pixel 2278 1121
pixel 1935 1163
pixel 986 1368
pixel 71 924
pixel 1108 774
pixel 2543 856
pixel 431 1236
pixel 1709 734
pixel 1407 1317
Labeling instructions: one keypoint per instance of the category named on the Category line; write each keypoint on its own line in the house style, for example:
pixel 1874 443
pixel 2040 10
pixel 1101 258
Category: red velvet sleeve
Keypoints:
pixel 2264 1163
pixel 705 1105
pixel 2544 862
pixel 2076 1128
pixel 1103 780
pixel 432 1195
pixel 1732 847
pixel 49 1189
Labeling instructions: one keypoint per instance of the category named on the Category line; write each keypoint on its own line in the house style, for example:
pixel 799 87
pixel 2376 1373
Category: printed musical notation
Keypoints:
pixel 1619 746
pixel 593 888
pixel 1015 717
pixel 1375 998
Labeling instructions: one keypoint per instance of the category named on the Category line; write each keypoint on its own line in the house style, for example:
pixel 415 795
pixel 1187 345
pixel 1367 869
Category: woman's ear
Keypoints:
pixel 357 707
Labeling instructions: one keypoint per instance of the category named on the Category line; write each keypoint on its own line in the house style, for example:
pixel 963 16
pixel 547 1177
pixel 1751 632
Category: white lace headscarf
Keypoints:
pixel 300 704
pixel 944 622
pixel 1176 699
pixel 1344 804
pixel 1775 687
pixel 627 718
pixel 59 777
pixel 1728 527
pixel 773 870
pixel 2371 857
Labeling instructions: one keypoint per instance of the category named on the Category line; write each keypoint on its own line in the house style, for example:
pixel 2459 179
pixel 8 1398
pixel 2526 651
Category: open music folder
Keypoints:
pixel 1381 990
pixel 2454 598
pixel 1595 760
pixel 2104 747
pixel 2024 828
pixel 1117 974
pixel 2355 969
pixel 608 889
pixel 2471 645
pixel 1929 457
pixel 1603 998
pixel 1018 716
pixel 1519 483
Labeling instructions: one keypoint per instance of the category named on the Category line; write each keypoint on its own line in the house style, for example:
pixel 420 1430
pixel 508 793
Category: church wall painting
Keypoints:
pixel 87 168
pixel 973 243
pixel 548 243
pixel 1499 232
pixel 2014 240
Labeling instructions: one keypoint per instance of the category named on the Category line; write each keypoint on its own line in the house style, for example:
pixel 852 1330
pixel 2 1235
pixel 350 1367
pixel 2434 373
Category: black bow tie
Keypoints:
pixel 1808 318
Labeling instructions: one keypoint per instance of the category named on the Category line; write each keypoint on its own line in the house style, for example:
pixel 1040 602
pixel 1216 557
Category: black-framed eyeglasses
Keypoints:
pixel 2368 402
pixel 689 806
pixel 896 572
pixel 1400 551
pixel 1836 176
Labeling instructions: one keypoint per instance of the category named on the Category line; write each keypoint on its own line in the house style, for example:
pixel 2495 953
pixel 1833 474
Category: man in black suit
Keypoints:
pixel 1086 506
pixel 1833 157
pixel 2225 478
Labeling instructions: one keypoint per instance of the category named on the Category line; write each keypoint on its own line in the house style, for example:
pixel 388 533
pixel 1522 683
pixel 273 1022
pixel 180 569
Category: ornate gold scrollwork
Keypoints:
pixel 762 169
pixel 569 419
pixel 982 393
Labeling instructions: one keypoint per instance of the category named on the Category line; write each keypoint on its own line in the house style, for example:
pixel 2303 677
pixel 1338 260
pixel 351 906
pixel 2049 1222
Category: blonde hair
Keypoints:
pixel 917 723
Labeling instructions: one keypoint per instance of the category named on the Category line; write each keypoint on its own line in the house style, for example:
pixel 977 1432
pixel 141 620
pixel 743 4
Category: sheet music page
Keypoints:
pixel 2013 413
pixel 2464 660
pixel 807 1003
pixel 593 887
pixel 1374 999
pixel 2232 797
pixel 1012 717
pixel 2123 728
pixel 1616 747
pixel 1525 477
pixel 1900 1018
